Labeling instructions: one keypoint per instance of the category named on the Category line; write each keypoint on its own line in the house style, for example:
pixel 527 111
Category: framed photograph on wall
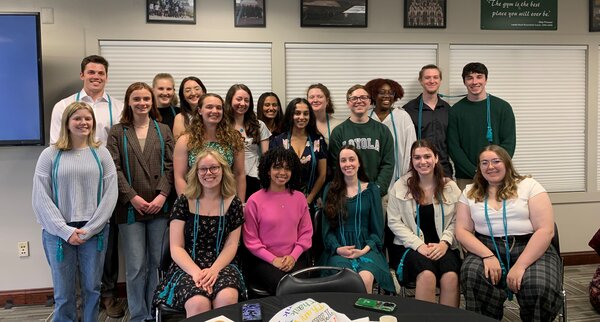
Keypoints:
pixel 249 13
pixel 323 13
pixel 171 11
pixel 594 15
pixel 424 13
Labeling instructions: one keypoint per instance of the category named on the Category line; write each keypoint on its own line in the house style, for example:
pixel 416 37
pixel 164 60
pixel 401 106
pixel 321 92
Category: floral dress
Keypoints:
pixel 177 286
pixel 226 152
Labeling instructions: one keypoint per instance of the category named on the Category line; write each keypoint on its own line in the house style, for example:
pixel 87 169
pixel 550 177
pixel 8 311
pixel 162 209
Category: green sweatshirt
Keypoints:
pixel 375 144
pixel 467 128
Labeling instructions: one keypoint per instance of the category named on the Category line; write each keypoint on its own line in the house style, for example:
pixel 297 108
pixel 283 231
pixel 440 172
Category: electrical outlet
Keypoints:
pixel 23 248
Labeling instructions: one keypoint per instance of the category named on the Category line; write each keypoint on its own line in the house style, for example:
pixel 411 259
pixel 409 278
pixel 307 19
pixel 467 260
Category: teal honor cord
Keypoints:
pixel 109 106
pixel 505 268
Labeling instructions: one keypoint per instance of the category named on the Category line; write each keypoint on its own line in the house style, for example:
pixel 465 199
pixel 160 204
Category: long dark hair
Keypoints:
pixel 413 183
pixel 279 157
pixel 275 124
pixel 186 109
pixel 288 118
pixel 251 125
pixel 335 203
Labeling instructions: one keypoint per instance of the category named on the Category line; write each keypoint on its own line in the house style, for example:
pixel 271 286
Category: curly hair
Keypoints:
pixel 288 119
pixel 330 108
pixel 279 157
pixel 127 114
pixel 226 135
pixel 186 109
pixel 508 188
pixel 374 85
pixel 335 203
pixel 251 125
pixel 194 188
pixel 414 181
pixel 275 124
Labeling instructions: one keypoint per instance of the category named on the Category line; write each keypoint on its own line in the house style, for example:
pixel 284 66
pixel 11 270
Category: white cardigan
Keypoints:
pixel 402 212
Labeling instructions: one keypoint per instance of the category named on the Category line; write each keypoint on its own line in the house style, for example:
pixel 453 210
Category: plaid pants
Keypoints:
pixel 539 298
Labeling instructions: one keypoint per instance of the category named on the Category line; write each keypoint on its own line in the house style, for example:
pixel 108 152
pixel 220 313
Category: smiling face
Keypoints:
pixel 475 84
pixel 492 167
pixel 431 80
pixel 94 78
pixel 140 102
pixel 81 124
pixel 270 107
pixel 301 116
pixel 317 99
pixel 424 161
pixel 280 174
pixel 211 110
pixel 240 102
pixel 192 92
pixel 349 163
pixel 359 102
pixel 209 172
pixel 385 98
pixel 164 89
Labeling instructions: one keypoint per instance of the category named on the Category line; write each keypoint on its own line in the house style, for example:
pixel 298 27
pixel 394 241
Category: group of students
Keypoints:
pixel 292 188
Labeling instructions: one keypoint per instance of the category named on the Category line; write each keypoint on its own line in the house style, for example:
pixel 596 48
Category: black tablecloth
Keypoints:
pixel 406 309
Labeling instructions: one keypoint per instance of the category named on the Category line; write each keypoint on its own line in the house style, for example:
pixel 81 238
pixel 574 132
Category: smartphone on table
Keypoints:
pixel 251 312
pixel 375 305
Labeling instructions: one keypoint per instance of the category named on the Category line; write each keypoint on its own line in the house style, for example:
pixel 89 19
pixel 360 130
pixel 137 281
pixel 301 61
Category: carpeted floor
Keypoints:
pixel 577 279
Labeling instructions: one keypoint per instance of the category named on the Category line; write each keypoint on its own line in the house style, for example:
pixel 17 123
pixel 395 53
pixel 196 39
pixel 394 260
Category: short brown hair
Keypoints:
pixel 430 66
pixel 96 59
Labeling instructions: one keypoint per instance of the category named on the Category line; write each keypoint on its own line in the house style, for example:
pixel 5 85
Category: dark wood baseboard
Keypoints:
pixel 42 296
pixel 580 258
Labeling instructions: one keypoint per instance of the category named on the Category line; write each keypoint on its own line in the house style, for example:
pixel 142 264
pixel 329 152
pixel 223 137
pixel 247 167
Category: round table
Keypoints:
pixel 406 309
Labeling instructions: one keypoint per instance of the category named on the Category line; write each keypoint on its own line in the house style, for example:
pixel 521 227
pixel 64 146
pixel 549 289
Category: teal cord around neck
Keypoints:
pixel 505 268
pixel 109 106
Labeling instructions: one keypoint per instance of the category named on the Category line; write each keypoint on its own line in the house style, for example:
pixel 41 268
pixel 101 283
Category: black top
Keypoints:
pixel 433 128
pixel 167 115
pixel 426 214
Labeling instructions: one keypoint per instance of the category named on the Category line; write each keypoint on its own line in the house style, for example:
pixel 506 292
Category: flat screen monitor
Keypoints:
pixel 21 106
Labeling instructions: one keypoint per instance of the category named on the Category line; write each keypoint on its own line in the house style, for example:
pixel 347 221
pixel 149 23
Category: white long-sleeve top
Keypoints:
pixel 77 179
pixel 402 212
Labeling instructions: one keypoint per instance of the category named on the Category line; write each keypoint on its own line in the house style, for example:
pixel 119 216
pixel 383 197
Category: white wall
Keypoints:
pixel 78 25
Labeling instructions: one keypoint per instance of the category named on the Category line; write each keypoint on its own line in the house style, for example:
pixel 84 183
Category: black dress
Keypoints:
pixel 177 287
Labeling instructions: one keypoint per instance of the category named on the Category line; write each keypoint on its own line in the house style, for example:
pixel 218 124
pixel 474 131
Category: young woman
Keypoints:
pixel 74 194
pixel 204 235
pixel 502 211
pixel 142 149
pixel 421 215
pixel 163 86
pixel 209 129
pixel 190 91
pixel 239 108
pixel 353 223
pixel 268 110
pixel 319 97
pixel 278 229
pixel 300 135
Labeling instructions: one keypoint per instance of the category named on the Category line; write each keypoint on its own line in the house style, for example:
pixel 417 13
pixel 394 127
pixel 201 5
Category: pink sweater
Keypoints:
pixel 277 224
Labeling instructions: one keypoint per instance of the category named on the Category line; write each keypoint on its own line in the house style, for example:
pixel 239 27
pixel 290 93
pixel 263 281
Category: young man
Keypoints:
pixel 385 92
pixel 432 113
pixel 371 138
pixel 107 111
pixel 476 121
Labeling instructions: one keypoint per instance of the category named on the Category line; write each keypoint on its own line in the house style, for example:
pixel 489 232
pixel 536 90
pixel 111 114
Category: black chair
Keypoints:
pixel 343 280
pixel 556 244
pixel 254 288
pixel 163 267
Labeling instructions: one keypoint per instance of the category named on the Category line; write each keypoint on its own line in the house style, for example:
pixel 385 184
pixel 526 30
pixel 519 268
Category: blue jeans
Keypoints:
pixel 141 244
pixel 84 260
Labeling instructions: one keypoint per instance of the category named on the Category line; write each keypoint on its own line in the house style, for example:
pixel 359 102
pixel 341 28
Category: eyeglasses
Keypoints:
pixel 386 93
pixel 363 98
pixel 212 169
pixel 487 163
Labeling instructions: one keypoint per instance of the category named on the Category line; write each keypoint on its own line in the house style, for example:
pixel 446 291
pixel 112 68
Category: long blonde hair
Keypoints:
pixel 193 189
pixel 508 188
pixel 64 142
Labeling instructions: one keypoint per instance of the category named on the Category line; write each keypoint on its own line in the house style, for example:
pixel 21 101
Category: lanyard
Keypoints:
pixel 173 111
pixel 489 134
pixel 328 128
pixel 54 181
pixel 220 230
pixel 109 106
pixel 418 217
pixel 357 220
pixel 396 149
pixel 506 268
pixel 130 213
pixel 313 162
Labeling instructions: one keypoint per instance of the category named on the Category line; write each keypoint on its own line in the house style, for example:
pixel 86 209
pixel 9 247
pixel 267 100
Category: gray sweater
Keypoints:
pixel 77 179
